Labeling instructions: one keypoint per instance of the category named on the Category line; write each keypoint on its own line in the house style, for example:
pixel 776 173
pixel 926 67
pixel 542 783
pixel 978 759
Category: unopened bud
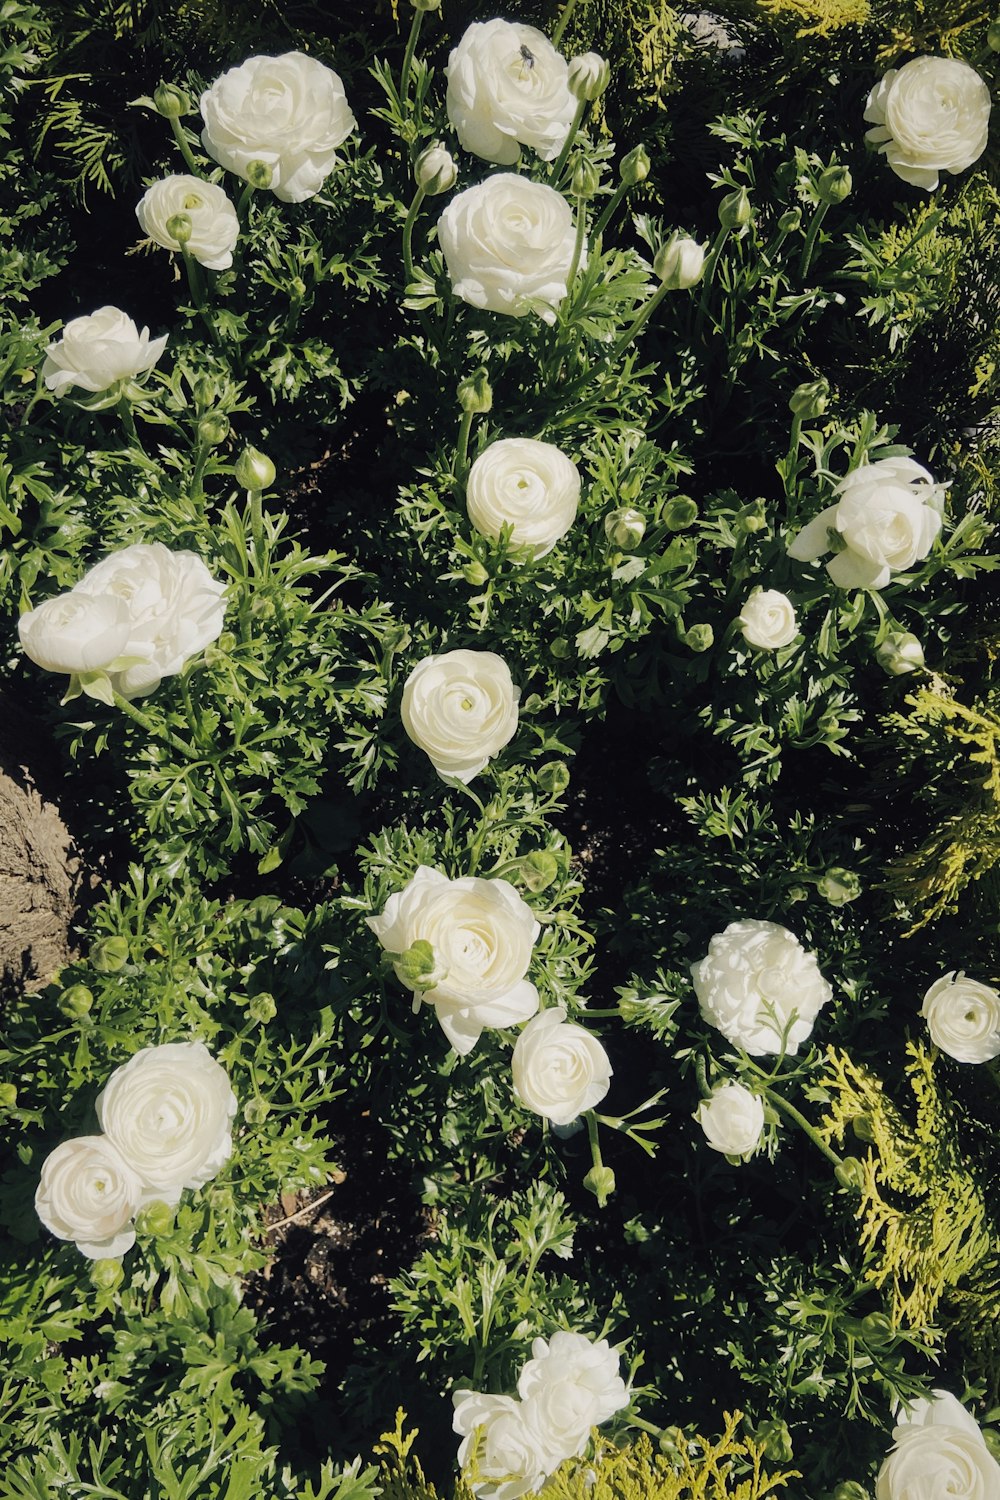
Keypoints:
pixel 426 4
pixel 153 1220
pixel 850 1490
pixel 601 1182
pixel 625 527
pixel 673 1445
pixel 539 869
pixel 680 262
pixel 435 170
pixel 790 220
pixel 679 513
pixel 254 470
pixel 699 638
pixel 262 1008
pixel 553 777
pixel 256 1111
pixel 107 1275
pixel 260 174
pixel 990 1435
pixel 635 166
pixel 850 1174
pixel 839 886
pixel 993 36
pixel 203 391
pixel 171 102
pixel 775 1439
pixel 588 77
pixel 561 648
pixel 475 574
pixel 8 1096
pixel 876 1329
pixel 475 393
pixel 751 517
pixel 109 955
pixel 834 185
pixel 585 181
pixel 861 1125
pixel 179 229
pixel 213 429
pixel 796 893
pixel 810 399
pixel 735 211
pixel 416 967
pixel 76 1002
pixel 899 653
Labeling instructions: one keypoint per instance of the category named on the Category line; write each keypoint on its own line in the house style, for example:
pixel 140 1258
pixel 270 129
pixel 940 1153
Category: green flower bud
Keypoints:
pixel 426 4
pixel 850 1490
pixel 899 653
pixel 203 391
pixel 797 893
pixel 850 1173
pixel 254 470
pixel 553 777
pixel 990 1435
pixel 810 399
pixel 153 1220
pixel 588 77
pixel 834 185
pixel 8 1096
pixel 256 1111
pixel 680 262
pixel 993 36
pixel 625 528
pixel 260 174
pixel 179 228
pixel 170 101
pixel 585 181
pixel 76 1002
pixel 839 886
pixel 561 648
pixel 539 869
pixel 735 211
pixel 634 167
pixel 475 574
pixel 475 393
pixel 106 1275
pixel 775 1439
pixel 790 220
pixel 876 1329
pixel 416 967
pixel 699 637
pixel 751 518
pixel 213 429
pixel 673 1445
pixel 109 955
pixel 601 1182
pixel 861 1125
pixel 435 170
pixel 262 1008
pixel 679 513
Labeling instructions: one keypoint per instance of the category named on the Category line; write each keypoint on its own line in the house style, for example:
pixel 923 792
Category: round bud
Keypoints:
pixel 213 429
pixel 990 1435
pixel 839 886
pixel 109 955
pixel 810 399
pixel 850 1173
pixel 790 220
pixel 179 228
pixel 170 101
pixel 561 648
pixel 601 1182
pixel 435 170
pixel 993 36
pixel 256 1111
pixel 539 870
pixel 260 174
pixel 254 470
pixel 203 391
pixel 107 1275
pixel 699 638
pixel 76 1002
pixel 262 1008
pixel 585 181
pixel 679 513
pixel 475 574
pixel 680 262
pixel 797 893
pixel 775 1439
pixel 673 1445
pixel 426 4
pixel 416 967
pixel 8 1096
pixel 553 777
pixel 475 393
pixel 876 1329
pixel 735 211
pixel 862 1128
pixel 850 1490
pixel 635 166
pixel 834 185
pixel 899 653
pixel 154 1219
pixel 625 527
pixel 751 518
pixel 589 76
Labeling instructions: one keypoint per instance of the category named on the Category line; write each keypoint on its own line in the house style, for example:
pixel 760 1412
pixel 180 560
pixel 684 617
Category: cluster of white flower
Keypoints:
pixel 940 1451
pixel 510 1445
pixel 166 1117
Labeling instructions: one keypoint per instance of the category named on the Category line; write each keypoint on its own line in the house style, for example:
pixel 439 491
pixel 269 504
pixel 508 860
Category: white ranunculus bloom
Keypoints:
pixel 97 351
pixel 887 516
pixel 461 707
pixel 508 244
pixel 482 935
pixel 288 112
pixel 732 1119
pixel 940 1452
pixel 963 1018
pixel 214 225
pixel 930 116
pixel 757 983
pixel 680 263
pixel 169 1111
pixel 525 484
pixel 175 607
pixel 559 1069
pixel 88 1193
pixel 508 1459
pixel 76 632
pixel 768 621
pixel 507 85
pixel 569 1385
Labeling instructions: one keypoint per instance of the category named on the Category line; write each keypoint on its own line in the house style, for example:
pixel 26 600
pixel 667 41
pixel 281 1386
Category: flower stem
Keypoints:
pixel 198 293
pixel 610 209
pixel 411 47
pixel 811 237
pixel 145 722
pixel 571 134
pixel 411 219
pixel 462 446
pixel 128 421
pixel 800 1120
pixel 643 317
pixel 563 22
pixel 581 230
pixel 185 149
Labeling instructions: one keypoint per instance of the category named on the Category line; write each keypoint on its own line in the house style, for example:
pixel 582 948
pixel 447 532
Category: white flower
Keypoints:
pixel 169 1112
pixel 175 608
pixel 940 1452
pixel 508 244
pixel 768 620
pixel 482 935
pixel 559 1068
pixel 525 484
pixel 214 225
pixel 680 262
pixel 508 84
pixel 732 1119
pixel 757 984
pixel 963 1018
pixel 90 1194
pixel 76 632
pixel 887 514
pixel 288 112
pixel 97 351
pixel 461 707
pixel 508 1460
pixel 930 116
pixel 569 1385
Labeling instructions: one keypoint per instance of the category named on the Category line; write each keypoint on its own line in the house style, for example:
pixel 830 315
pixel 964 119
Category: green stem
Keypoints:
pixel 242 208
pixel 198 293
pixel 563 156
pixel 810 244
pixel 711 262
pixel 462 445
pixel 185 149
pixel 198 473
pixel 593 1135
pixel 581 230
pixel 411 219
pixel 128 421
pixel 257 522
pixel 634 1421
pixel 800 1120
pixel 610 209
pixel 563 22
pixel 791 462
pixel 145 722
pixel 643 317
pixel 411 47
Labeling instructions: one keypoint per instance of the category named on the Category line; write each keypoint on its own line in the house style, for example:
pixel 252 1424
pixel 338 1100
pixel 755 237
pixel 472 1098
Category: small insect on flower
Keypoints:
pixel 527 59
